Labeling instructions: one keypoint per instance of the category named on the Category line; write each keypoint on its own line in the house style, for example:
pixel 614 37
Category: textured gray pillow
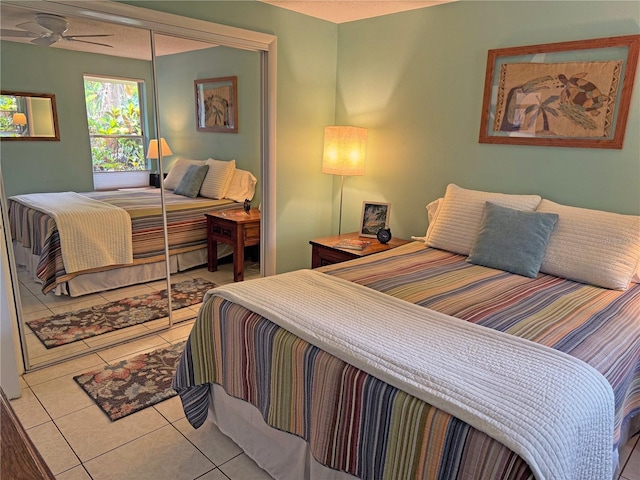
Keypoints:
pixel 512 240
pixel 190 184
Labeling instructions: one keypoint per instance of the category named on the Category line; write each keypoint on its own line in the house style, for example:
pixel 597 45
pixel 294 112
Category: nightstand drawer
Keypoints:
pixel 224 231
pixel 252 234
pixel 328 256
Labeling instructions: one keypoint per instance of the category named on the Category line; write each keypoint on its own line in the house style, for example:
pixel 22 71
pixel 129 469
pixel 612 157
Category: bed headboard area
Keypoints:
pixel 527 234
pixel 210 178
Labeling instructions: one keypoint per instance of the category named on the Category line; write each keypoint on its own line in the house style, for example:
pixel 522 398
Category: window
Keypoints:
pixel 8 107
pixel 115 128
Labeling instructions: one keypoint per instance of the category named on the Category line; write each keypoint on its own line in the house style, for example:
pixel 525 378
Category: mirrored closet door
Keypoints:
pixel 229 148
pixel 116 77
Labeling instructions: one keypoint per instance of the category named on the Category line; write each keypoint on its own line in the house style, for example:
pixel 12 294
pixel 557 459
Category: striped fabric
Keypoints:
pixel 356 423
pixel 186 229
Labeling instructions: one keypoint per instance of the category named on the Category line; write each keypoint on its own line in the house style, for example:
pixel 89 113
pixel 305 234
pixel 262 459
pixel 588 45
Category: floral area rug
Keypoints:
pixel 70 327
pixel 133 384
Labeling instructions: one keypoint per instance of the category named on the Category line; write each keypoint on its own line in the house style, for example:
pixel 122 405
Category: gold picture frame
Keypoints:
pixel 217 104
pixel 567 94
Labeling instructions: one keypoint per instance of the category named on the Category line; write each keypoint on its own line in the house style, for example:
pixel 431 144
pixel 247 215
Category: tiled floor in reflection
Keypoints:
pixel 36 305
pixel 78 441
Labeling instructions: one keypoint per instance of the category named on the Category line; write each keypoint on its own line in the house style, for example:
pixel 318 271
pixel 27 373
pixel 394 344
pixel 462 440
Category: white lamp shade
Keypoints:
pixel 152 152
pixel 19 119
pixel 344 150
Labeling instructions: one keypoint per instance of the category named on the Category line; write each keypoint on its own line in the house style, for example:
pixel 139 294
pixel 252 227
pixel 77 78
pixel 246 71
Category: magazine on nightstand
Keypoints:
pixel 352 244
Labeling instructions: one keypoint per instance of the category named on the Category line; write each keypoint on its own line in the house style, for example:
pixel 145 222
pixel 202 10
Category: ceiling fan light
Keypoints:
pixel 55 23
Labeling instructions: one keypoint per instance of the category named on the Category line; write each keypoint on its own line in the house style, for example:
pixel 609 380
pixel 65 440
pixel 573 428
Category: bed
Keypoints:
pixel 38 246
pixel 428 361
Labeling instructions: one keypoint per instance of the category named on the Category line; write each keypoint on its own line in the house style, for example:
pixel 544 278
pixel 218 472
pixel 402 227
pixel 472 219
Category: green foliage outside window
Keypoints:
pixel 8 106
pixel 113 114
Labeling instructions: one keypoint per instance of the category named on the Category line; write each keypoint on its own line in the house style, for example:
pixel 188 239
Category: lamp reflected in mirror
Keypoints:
pixel 20 120
pixel 155 155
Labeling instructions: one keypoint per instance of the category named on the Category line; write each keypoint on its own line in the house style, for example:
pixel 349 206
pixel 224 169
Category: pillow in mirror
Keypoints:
pixel 191 181
pixel 243 186
pixel 218 178
pixel 178 170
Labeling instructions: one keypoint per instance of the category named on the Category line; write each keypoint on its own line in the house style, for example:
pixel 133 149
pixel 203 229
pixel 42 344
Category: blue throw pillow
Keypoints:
pixel 190 184
pixel 512 240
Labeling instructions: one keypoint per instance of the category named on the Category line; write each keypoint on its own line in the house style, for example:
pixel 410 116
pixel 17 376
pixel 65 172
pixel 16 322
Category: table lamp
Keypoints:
pixel 344 152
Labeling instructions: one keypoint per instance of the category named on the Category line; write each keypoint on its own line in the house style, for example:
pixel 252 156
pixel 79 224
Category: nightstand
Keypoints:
pixel 236 228
pixel 324 251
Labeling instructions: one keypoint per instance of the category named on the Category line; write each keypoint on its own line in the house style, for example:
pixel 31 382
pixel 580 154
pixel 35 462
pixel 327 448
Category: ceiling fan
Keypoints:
pixel 49 29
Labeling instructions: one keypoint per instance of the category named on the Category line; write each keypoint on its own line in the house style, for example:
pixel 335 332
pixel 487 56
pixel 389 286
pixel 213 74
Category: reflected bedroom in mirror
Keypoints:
pixel 98 238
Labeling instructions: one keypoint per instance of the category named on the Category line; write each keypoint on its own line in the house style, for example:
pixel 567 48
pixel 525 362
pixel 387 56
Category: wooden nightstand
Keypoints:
pixel 325 253
pixel 236 228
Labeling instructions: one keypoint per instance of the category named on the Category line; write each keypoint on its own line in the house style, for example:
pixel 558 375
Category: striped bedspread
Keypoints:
pixel 357 423
pixel 80 222
pixel 186 229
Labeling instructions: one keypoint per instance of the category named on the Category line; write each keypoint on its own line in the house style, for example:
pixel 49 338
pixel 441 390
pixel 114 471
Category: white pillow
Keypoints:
pixel 432 209
pixel 218 178
pixel 455 226
pixel 178 170
pixel 243 185
pixel 592 246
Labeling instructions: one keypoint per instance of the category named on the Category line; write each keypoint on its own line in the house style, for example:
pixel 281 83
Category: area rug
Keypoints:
pixel 133 384
pixel 70 327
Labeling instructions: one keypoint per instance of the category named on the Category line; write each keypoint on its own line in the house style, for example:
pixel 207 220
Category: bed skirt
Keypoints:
pixel 283 455
pixel 87 283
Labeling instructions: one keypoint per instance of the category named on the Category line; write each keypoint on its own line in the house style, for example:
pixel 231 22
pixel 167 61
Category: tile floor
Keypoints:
pixel 36 305
pixel 78 441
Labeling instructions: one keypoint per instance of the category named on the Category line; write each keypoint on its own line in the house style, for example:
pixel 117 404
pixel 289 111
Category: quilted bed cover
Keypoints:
pixel 356 422
pixel 186 225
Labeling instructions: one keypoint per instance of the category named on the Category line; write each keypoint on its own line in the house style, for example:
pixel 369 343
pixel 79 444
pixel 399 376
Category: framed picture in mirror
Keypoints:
pixel 28 116
pixel 217 105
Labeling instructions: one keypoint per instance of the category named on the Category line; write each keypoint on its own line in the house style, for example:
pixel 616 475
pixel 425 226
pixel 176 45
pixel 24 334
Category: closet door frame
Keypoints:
pixel 169 24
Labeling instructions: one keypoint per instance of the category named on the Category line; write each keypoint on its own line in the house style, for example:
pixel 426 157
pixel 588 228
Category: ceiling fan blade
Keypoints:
pixel 34 27
pixel 86 41
pixel 73 37
pixel 44 41
pixel 17 33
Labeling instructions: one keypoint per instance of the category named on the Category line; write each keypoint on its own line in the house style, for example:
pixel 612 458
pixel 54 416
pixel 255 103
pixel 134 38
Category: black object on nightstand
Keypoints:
pixel 154 179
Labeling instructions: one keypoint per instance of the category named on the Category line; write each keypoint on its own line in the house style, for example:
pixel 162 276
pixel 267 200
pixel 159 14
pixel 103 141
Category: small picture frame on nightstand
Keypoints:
pixel 375 215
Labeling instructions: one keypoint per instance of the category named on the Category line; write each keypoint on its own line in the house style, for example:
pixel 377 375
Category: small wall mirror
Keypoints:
pixel 28 116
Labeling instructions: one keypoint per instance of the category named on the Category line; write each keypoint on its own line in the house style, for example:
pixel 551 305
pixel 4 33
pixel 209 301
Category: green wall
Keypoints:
pixel 415 80
pixel 176 74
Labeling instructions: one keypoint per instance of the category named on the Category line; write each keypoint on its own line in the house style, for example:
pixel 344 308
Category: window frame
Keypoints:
pixel 110 179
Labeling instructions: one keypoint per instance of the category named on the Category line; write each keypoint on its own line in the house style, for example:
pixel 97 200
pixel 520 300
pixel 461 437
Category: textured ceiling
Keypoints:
pixel 135 43
pixel 125 41
pixel 340 11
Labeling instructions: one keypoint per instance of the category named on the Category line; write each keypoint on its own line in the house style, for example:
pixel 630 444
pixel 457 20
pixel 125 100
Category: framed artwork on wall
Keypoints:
pixel 568 94
pixel 374 216
pixel 217 105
